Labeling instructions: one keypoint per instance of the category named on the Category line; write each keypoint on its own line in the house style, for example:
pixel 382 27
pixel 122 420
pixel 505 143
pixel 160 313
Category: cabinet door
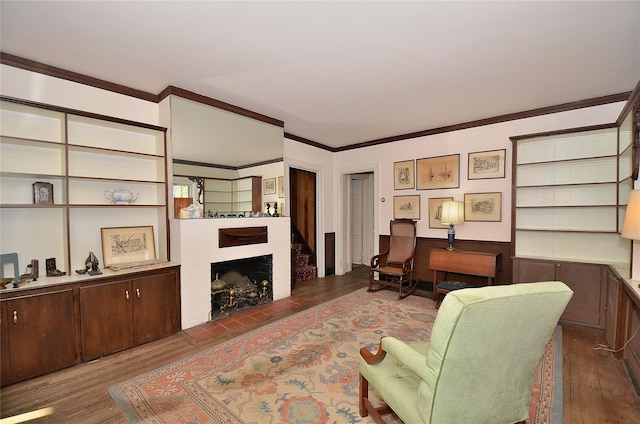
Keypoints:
pixel 155 312
pixel 530 271
pixel 41 334
pixel 587 304
pixel 5 371
pixel 612 332
pixel 106 319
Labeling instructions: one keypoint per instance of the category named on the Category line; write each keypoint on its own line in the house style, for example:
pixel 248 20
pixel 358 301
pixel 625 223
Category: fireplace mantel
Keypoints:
pixel 195 245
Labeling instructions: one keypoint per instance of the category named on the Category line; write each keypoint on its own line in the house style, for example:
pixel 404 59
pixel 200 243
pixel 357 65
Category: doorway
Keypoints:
pixel 361 218
pixel 302 209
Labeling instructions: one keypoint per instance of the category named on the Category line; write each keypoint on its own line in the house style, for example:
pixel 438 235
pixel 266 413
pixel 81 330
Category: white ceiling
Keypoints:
pixel 340 73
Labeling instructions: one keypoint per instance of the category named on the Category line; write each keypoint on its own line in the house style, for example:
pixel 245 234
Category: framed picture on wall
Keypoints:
pixel 484 165
pixel 485 207
pixel 435 211
pixel 269 186
pixel 281 187
pixel 406 207
pixel 403 175
pixel 438 172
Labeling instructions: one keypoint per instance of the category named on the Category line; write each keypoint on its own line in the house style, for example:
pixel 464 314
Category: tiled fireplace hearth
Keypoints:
pixel 195 245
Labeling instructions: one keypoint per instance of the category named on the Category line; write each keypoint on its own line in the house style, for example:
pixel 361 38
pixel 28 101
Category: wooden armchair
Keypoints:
pixel 394 267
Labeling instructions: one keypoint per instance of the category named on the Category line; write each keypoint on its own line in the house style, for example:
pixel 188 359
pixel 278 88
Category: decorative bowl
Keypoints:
pixel 120 196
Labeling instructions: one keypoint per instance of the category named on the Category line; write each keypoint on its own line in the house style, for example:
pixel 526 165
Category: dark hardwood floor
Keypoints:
pixel 597 388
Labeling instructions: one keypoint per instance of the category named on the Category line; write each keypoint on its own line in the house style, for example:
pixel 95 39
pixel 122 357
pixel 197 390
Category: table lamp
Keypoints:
pixel 631 225
pixel 452 213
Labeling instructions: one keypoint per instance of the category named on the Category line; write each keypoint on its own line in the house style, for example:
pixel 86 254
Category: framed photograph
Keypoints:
pixel 435 211
pixel 403 175
pixel 484 165
pixel 485 207
pixel 127 244
pixel 269 186
pixel 438 172
pixel 280 186
pixel 406 207
pixel 42 193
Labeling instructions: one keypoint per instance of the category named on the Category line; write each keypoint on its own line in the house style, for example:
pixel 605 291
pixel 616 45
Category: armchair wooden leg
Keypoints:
pixel 364 393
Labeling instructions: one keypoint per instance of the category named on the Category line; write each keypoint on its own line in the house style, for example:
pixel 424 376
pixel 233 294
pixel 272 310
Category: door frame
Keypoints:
pixel 343 244
pixel 320 200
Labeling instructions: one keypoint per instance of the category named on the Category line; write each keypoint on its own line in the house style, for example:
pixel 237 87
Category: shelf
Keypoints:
pixel 567 196
pixel 84 158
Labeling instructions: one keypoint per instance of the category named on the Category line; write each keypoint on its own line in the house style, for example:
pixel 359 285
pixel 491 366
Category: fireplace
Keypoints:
pixel 195 245
pixel 240 284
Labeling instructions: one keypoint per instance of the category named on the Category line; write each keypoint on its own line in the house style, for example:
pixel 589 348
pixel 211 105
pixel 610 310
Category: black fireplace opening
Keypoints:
pixel 240 284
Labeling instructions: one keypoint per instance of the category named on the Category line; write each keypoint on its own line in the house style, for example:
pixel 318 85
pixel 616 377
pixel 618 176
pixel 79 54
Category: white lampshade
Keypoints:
pixel 452 213
pixel 631 226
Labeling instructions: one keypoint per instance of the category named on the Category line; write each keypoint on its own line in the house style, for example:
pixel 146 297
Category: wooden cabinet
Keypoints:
pixel 614 328
pixel 37 335
pixel 119 315
pixel 46 328
pixel 588 281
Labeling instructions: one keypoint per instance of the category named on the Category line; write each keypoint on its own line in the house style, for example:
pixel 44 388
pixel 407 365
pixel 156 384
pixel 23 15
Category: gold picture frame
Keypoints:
pixel 42 193
pixel 404 175
pixel 483 207
pixel 438 172
pixel 269 186
pixel 122 245
pixel 406 207
pixel 486 165
pixel 435 210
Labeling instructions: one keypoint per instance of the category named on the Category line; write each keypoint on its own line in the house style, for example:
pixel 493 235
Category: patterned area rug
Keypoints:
pixel 302 369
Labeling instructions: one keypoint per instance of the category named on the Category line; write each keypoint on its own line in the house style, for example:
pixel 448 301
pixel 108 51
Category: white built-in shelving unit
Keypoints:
pixel 571 189
pixel 83 156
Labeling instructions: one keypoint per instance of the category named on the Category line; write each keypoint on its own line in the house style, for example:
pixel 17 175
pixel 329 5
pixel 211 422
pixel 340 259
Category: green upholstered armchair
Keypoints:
pixel 480 363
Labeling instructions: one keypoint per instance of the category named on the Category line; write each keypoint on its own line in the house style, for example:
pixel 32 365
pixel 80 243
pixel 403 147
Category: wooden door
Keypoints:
pixel 156 305
pixel 106 321
pixel 41 334
pixel 303 204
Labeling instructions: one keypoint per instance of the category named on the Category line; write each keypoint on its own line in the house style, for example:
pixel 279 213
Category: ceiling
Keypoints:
pixel 341 73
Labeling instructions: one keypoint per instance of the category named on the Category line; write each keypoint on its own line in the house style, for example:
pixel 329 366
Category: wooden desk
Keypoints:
pixel 481 264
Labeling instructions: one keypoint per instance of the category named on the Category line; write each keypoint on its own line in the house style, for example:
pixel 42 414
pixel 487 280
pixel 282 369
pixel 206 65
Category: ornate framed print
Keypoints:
pixel 485 165
pixel 485 207
pixel 269 186
pixel 42 193
pixel 438 172
pixel 403 175
pixel 127 244
pixel 435 211
pixel 406 207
